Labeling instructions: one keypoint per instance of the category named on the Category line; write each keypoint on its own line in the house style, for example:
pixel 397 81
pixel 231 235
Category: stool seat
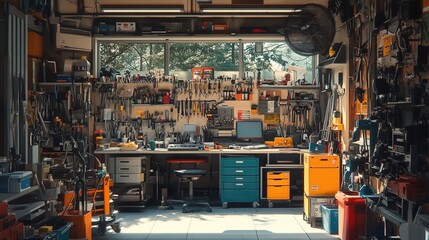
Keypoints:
pixel 186 173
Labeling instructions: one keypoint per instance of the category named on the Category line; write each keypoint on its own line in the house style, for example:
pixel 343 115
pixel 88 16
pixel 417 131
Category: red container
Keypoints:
pixel 351 215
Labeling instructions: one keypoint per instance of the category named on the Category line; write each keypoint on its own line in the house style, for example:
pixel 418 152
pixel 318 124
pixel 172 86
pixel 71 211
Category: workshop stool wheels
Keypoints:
pixel 105 222
pixel 270 204
pixel 196 207
pixel 254 204
pixel 116 227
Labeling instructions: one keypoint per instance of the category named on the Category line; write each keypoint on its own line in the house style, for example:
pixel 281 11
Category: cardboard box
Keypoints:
pixel 376 184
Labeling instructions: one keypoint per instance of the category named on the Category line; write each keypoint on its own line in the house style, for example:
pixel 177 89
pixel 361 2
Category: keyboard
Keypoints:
pixel 183 147
pixel 257 146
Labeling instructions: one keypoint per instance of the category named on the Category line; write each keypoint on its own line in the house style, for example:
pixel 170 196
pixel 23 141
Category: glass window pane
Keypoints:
pixel 275 60
pixel 134 57
pixel 220 56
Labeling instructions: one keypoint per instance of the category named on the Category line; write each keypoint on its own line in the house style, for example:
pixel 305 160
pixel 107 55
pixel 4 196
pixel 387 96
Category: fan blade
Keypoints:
pixel 312 32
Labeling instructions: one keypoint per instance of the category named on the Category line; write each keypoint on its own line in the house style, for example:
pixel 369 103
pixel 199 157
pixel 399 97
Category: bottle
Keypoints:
pixel 98 137
pixel 81 69
pixel 103 169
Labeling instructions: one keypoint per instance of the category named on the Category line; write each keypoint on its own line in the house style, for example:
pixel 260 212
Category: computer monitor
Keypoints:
pixel 249 131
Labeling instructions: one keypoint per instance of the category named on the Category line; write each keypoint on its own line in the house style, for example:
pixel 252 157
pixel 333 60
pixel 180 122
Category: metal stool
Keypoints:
pixel 190 175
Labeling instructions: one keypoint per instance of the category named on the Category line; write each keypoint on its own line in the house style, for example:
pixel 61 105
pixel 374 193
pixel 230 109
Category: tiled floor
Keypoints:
pixel 231 223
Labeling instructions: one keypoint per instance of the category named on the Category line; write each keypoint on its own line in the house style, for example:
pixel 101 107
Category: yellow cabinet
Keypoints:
pixel 321 174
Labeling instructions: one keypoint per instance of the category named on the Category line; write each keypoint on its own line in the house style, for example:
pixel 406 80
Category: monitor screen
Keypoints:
pixel 248 130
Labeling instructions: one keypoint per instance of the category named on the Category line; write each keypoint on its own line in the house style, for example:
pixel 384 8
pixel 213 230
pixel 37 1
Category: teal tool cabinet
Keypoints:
pixel 239 181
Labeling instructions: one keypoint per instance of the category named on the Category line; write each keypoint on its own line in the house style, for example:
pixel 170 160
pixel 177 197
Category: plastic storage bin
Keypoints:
pixel 330 218
pixel 351 215
pixel 62 233
pixel 15 182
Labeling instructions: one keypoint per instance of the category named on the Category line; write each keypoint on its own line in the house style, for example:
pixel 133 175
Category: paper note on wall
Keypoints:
pixel 270 108
pixel 272 118
pixel 243 114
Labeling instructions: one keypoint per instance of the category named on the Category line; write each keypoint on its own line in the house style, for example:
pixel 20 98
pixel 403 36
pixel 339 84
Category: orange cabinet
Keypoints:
pixel 321 174
pixel 278 185
pixel 35 44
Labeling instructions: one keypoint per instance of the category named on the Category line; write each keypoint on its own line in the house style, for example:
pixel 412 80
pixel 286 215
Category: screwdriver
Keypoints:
pixel 178 109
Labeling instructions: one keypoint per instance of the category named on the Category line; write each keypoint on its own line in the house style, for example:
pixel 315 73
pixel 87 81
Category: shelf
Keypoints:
pixel 338 58
pixel 398 103
pixel 303 100
pixel 273 87
pixel 147 104
pixel 64 84
pixel 406 103
pixel 105 83
pixel 28 211
pixel 12 196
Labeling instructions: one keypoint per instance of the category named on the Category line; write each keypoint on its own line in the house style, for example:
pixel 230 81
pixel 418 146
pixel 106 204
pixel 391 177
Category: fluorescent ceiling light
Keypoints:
pixel 248 9
pixel 142 9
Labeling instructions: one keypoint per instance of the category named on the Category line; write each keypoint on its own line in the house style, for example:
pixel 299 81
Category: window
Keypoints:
pixel 276 59
pixel 272 58
pixel 134 57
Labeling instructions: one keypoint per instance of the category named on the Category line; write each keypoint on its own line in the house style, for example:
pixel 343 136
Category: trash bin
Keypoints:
pixel 351 215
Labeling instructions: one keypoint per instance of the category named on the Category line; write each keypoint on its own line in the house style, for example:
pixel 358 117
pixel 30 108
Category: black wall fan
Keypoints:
pixel 310 31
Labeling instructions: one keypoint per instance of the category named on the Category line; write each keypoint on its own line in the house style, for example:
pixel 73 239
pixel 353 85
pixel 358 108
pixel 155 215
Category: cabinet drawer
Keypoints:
pixel 321 160
pixel 241 185
pixel 233 179
pixel 128 162
pixel 240 195
pixel 129 178
pixel 240 171
pixel 278 192
pixel 128 169
pixel 240 161
pixel 284 159
pixel 278 174
pixel 278 181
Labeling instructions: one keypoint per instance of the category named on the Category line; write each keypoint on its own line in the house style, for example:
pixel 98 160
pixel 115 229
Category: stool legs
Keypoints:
pixel 191 190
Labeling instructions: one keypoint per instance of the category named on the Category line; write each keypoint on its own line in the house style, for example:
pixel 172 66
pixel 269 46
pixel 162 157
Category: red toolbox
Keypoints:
pixel 17 231
pixel 409 188
pixel 3 209
pixel 5 234
pixel 7 221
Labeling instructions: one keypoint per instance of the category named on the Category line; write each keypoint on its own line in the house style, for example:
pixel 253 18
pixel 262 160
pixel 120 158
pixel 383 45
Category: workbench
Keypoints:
pixel 269 159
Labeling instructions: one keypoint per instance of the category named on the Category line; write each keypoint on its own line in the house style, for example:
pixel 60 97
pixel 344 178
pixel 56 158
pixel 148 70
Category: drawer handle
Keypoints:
pixel 323 159
pixel 124 168
pixel 239 161
pixel 275 173
pixel 124 161
pixel 284 161
pixel 238 178
pixel 124 176
pixel 238 171
pixel 277 179
pixel 239 184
